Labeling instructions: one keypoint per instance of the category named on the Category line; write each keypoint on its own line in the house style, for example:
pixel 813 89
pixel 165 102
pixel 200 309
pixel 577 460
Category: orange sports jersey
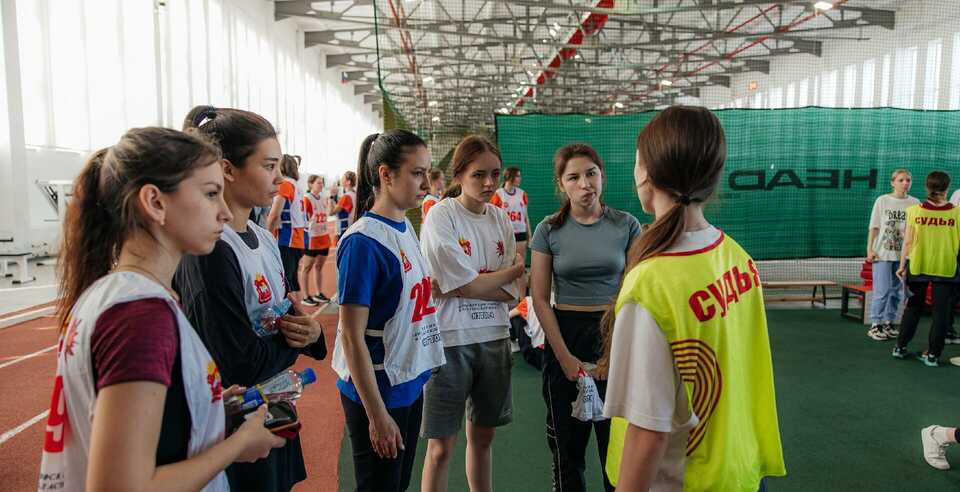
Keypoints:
pixel 293 217
pixel 346 203
pixel 523 308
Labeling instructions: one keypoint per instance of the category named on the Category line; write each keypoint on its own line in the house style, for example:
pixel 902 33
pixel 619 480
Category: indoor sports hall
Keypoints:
pixel 839 186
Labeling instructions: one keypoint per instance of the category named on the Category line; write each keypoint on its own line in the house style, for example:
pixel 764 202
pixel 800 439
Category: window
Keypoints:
pixel 931 75
pixel 885 81
pixel 803 92
pixel 791 101
pixel 828 89
pixel 904 78
pixel 776 98
pixel 867 84
pixel 850 86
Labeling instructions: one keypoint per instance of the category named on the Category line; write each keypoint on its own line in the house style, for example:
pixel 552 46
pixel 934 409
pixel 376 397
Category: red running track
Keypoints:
pixel 26 385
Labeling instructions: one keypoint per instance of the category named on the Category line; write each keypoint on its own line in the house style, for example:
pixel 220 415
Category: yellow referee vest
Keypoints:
pixel 709 304
pixel 936 239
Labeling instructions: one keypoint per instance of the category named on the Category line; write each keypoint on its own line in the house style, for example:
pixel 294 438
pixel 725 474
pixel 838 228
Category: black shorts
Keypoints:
pixel 291 263
pixel 313 253
pixel 520 236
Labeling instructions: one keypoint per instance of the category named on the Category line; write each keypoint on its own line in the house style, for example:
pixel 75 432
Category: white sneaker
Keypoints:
pixel 876 332
pixel 934 449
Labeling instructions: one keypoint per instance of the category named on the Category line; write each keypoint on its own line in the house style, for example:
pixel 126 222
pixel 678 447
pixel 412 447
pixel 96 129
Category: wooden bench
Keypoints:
pixel 800 284
pixel 858 291
pixel 23 273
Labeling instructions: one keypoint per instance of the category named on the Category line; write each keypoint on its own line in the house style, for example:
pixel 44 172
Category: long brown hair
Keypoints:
pixel 560 159
pixel 467 151
pixel 103 212
pixel 290 167
pixel 389 149
pixel 682 149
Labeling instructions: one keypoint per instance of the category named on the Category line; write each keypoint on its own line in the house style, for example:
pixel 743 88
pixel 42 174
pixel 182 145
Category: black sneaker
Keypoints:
pixel 308 301
pixel 929 360
pixel 952 338
pixel 900 353
pixel 890 331
pixel 876 332
pixel 321 299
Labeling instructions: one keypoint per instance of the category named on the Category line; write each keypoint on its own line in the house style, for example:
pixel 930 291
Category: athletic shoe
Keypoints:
pixel 308 301
pixel 876 332
pixel 934 447
pixel 952 338
pixel 890 331
pixel 928 360
pixel 320 298
pixel 900 352
pixel 955 361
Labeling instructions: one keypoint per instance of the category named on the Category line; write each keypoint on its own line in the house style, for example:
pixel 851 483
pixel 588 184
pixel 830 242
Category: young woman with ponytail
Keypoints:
pixel 137 401
pixel 929 259
pixel 686 351
pixel 579 252
pixel 388 341
pixel 225 293
pixel 473 258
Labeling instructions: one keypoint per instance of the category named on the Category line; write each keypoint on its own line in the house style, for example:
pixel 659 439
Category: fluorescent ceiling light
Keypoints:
pixel 618 105
pixel 436 119
pixel 432 103
pixel 311 12
pixel 666 83
pixel 427 79
pixel 823 5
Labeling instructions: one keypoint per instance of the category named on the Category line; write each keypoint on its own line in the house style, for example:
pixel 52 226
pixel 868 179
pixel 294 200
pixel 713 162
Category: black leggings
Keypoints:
pixel 373 473
pixel 567 436
pixel 942 307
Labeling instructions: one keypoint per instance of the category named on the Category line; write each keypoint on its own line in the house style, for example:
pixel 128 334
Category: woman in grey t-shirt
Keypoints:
pixel 579 253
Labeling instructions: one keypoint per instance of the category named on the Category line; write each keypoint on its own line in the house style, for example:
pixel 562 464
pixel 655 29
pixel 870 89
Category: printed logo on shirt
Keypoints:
pixel 213 379
pixel 934 221
pixel 68 339
pixel 260 284
pixel 499 248
pixel 465 245
pixel 406 262
pixel 57 419
pixel 724 293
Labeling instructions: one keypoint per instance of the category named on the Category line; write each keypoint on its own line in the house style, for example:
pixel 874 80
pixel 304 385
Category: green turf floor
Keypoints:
pixel 850 415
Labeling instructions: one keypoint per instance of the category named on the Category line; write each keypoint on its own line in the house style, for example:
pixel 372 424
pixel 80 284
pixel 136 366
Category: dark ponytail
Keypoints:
pixel 238 132
pixel 364 184
pixel 381 149
pixel 560 159
pixel 468 150
pixel 103 212
pixel 683 149
pixel 937 184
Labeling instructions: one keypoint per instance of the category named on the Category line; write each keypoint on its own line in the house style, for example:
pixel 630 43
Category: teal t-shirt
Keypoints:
pixel 588 259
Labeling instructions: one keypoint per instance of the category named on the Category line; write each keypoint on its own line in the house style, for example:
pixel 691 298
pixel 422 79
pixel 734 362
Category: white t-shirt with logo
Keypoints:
pixel 890 217
pixel 459 245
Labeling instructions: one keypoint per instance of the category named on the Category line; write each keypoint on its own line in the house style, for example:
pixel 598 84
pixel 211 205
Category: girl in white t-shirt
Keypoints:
pixel 469 246
pixel 888 222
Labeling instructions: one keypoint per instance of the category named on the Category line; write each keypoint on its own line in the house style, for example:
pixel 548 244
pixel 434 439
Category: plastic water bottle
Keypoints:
pixel 267 324
pixel 286 386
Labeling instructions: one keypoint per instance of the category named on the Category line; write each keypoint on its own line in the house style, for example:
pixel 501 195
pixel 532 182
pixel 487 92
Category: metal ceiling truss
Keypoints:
pixel 454 63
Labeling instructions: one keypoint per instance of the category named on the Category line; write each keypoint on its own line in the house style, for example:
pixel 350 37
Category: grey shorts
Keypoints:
pixel 475 379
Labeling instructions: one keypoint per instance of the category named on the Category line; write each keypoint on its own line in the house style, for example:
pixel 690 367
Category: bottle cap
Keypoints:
pixel 308 376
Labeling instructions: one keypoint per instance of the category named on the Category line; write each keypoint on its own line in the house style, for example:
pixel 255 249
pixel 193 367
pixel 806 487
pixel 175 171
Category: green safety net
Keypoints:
pixel 798 183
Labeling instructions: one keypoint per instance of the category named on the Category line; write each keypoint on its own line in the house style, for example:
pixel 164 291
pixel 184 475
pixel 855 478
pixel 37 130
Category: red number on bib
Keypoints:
pixel 421 295
pixel 57 420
